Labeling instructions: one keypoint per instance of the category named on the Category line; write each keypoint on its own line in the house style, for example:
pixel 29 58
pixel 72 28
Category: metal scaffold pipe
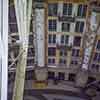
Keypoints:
pixel 23 9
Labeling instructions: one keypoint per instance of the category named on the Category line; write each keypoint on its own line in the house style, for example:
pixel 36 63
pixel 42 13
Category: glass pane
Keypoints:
pixel 70 9
pixel 67 9
pixel 51 51
pixel 52 25
pixel 79 13
pixel 62 39
pixel 84 11
pixel 50 38
pixel 54 38
pixel 52 9
pixel 65 27
pixel 81 27
pixel 77 27
pixel 77 41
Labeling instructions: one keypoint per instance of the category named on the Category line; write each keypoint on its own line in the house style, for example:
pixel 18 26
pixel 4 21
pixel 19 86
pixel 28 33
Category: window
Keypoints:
pixel 63 52
pixel 98 45
pixel 95 67
pixel 62 61
pixel 61 76
pixel 65 27
pixel 71 77
pixel 30 62
pixel 79 26
pixel 29 75
pixel 52 9
pixel 51 61
pixel 51 75
pixel 75 52
pixel 52 25
pixel 82 9
pixel 97 57
pixel 51 51
pixel 52 38
pixel 73 62
pixel 31 52
pixel 64 39
pixel 67 9
pixel 77 41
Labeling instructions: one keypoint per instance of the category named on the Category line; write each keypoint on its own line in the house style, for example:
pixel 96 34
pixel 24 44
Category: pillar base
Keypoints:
pixel 41 74
pixel 81 78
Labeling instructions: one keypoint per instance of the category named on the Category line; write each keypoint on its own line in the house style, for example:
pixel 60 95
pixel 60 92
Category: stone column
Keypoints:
pixel 40 35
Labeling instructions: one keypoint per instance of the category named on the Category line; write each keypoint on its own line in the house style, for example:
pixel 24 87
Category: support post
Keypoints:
pixel 23 14
pixel 3 48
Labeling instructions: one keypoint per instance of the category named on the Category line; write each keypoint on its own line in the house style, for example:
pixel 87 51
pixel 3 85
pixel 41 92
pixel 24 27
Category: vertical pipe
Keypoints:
pixel 23 13
pixel 3 48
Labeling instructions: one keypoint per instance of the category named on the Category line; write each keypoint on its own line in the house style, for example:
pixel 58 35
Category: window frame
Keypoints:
pixel 79 26
pixel 64 39
pixel 51 51
pixel 74 62
pixel 52 25
pixel 51 75
pixel 54 9
pixel 75 52
pixel 67 11
pixel 64 29
pixel 63 53
pixel 82 10
pixel 53 61
pixel 52 38
pixel 77 41
pixel 61 75
pixel 62 61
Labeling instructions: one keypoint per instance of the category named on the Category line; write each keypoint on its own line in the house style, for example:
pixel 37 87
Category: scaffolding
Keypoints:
pixel 23 9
